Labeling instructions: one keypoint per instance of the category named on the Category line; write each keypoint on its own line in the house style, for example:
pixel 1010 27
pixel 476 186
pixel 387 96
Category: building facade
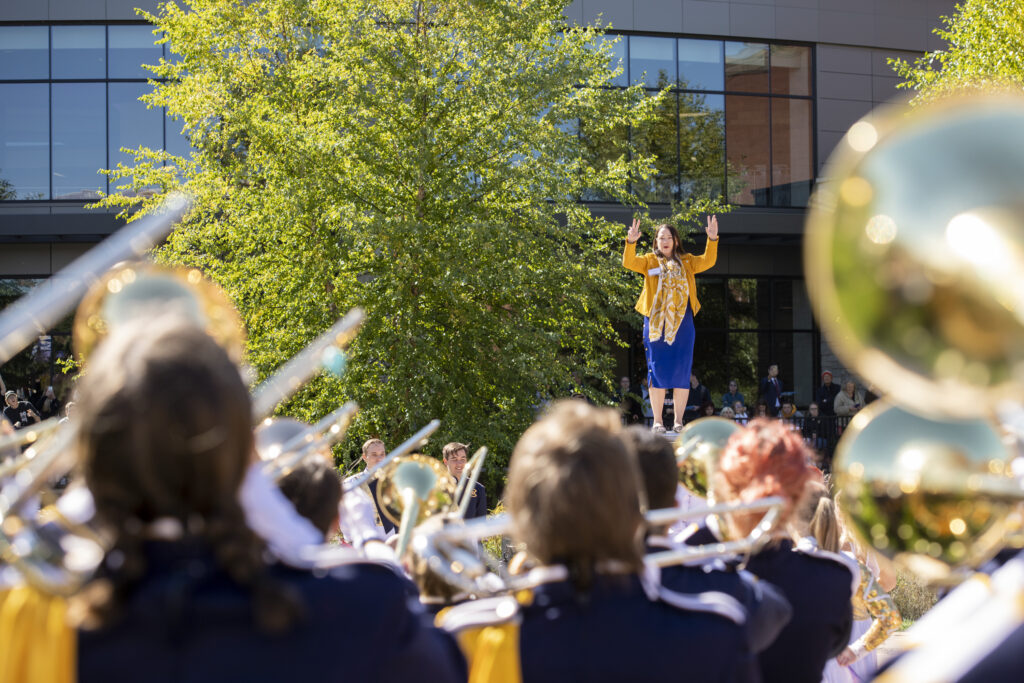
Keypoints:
pixel 763 90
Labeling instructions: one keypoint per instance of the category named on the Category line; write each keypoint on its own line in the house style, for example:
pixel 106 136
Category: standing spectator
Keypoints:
pixel 48 405
pixel 788 410
pixel 629 403
pixel 699 395
pixel 771 390
pixel 20 414
pixel 849 400
pixel 826 394
pixel 733 395
pixel 816 429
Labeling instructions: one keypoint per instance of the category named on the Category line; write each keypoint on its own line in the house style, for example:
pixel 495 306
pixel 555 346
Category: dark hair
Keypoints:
pixel 657 466
pixel 314 489
pixel 679 251
pixel 165 431
pixel 574 491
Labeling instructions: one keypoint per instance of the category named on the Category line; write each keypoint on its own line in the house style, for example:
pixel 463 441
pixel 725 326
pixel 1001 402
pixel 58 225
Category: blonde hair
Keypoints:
pixel 823 524
pixel 371 442
pixel 574 491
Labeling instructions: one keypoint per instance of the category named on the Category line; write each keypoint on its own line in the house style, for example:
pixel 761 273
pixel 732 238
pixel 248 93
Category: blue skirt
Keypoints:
pixel 669 365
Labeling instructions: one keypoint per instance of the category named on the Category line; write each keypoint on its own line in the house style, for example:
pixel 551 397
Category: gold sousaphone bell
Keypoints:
pixel 914 254
pixel 699 447
pixel 411 489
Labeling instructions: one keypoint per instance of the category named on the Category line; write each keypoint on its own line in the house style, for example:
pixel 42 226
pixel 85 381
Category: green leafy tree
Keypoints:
pixel 985 52
pixel 421 160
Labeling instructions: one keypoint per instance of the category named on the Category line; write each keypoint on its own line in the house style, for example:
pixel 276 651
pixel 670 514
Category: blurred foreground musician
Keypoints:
pixel 186 591
pixel 573 495
pixel 768 611
pixel 454 456
pixel 767 459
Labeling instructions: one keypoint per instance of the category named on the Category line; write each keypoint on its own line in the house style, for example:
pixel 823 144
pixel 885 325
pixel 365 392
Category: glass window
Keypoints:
pixel 652 61
pixel 130 124
pixel 742 293
pixel 791 70
pixel 660 139
pixel 701 64
pixel 25 141
pixel 748 141
pixel 741 360
pixel 746 67
pixel 79 140
pixel 177 143
pixel 701 144
pixel 24 52
pixel 792 145
pixel 79 52
pixel 130 48
pixel 617 47
pixel 710 291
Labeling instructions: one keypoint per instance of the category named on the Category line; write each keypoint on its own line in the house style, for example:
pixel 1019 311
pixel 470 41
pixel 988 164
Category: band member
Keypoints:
pixel 768 610
pixel 314 489
pixel 454 455
pixel 165 440
pixel 767 459
pixel 373 453
pixel 574 498
pixel 668 303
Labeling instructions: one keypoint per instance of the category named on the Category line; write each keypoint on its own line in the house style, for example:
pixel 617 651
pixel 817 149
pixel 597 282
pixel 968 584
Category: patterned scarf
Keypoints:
pixel 670 301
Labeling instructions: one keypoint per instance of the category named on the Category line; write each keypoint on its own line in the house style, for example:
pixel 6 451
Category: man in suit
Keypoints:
pixel 771 390
pixel 455 455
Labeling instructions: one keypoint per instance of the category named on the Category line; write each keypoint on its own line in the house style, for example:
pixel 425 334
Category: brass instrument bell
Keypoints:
pixel 411 489
pixel 933 496
pixel 132 291
pixel 699 447
pixel 914 254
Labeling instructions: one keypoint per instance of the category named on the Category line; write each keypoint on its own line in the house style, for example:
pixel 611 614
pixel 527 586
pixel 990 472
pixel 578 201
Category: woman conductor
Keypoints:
pixel 668 303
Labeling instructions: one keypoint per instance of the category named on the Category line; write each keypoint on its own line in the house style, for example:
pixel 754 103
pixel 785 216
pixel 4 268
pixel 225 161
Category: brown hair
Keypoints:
pixel 314 489
pixel 452 448
pixel 573 491
pixel 657 464
pixel 763 459
pixel 679 252
pixel 165 431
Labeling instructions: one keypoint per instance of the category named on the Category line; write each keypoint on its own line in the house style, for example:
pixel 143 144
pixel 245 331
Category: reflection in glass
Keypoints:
pixel 79 52
pixel 748 138
pixel 792 145
pixel 129 48
pixel 791 70
pixel 24 141
pixel 742 294
pixel 701 144
pixel 79 140
pixel 710 290
pixel 24 52
pixel 617 47
pixel 601 147
pixel 652 61
pixel 659 139
pixel 130 124
pixel 746 67
pixel 701 65
pixel 177 143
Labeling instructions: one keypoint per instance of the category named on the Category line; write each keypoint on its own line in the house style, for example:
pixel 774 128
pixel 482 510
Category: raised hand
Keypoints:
pixel 712 228
pixel 634 231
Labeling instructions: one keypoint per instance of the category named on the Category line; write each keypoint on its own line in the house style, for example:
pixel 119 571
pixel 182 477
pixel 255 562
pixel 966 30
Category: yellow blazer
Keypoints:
pixel 692 265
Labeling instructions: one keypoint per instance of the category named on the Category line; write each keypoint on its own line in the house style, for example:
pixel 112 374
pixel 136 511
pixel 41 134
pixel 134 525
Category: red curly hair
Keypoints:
pixel 763 459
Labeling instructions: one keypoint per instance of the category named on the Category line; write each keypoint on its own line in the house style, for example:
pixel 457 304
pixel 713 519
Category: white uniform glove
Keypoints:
pixel 357 518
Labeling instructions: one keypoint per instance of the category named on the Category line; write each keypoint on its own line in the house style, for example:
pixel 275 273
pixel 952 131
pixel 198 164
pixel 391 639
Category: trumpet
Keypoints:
pixel 445 550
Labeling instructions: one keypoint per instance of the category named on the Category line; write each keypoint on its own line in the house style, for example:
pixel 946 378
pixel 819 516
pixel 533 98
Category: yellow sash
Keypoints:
pixel 36 643
pixel 670 301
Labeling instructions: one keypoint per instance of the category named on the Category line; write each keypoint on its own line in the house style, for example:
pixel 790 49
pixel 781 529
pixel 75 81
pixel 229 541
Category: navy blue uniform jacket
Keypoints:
pixel 478 503
pixel 187 621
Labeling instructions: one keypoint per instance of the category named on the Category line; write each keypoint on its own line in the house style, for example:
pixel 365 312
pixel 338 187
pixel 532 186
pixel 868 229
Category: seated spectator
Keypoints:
pixel 707 410
pixel 733 395
pixel 699 395
pixel 165 440
pixel 20 414
pixel 728 413
pixel 48 404
pixel 849 400
pixel 826 394
pixel 314 489
pixel 788 411
pixel 761 409
pixel 740 411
